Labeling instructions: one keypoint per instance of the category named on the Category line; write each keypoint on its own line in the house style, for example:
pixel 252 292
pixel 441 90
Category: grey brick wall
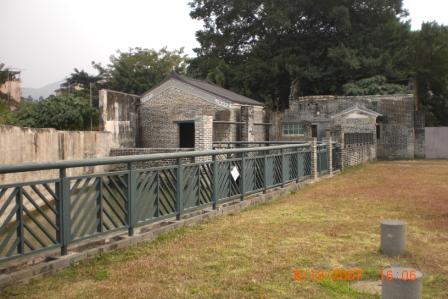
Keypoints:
pixel 401 134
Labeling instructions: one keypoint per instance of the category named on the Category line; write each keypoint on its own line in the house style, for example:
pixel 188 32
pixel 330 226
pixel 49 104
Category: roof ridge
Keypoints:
pixel 192 81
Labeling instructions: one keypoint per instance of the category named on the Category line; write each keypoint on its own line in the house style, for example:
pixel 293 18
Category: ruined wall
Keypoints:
pixel 119 116
pixel 13 89
pixel 398 133
pixel 29 145
pixel 226 132
pixel 158 116
pixel 357 138
pixel 419 147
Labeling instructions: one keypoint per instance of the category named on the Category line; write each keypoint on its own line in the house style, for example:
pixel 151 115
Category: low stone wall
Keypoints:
pixel 30 145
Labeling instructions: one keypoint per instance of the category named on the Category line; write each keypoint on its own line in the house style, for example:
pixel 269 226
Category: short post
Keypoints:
pixel 314 170
pixel 393 237
pixel 242 182
pixel 179 189
pixel 132 199
pixel 63 208
pixel 401 283
pixel 215 182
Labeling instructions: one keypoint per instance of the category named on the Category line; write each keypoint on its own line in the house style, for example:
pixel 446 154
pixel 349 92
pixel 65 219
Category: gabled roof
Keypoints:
pixel 357 108
pixel 214 90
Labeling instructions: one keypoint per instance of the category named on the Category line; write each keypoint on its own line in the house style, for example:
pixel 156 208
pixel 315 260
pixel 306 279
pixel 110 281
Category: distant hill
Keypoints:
pixel 44 91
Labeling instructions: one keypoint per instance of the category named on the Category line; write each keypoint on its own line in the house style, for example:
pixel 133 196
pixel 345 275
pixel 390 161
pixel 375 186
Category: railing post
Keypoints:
pixel 179 189
pixel 298 165
pixel 215 182
pixel 314 169
pixel 265 171
pixel 132 200
pixel 63 208
pixel 19 220
pixel 242 178
pixel 283 167
pixel 330 156
pixel 99 203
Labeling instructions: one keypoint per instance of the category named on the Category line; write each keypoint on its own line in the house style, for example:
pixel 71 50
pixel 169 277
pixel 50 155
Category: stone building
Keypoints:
pixel 181 113
pixel 396 128
pixel 12 88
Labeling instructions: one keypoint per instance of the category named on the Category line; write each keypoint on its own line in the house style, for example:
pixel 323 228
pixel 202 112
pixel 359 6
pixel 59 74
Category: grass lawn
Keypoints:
pixel 252 254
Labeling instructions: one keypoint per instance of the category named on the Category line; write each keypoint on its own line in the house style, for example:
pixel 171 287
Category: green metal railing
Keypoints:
pixel 42 215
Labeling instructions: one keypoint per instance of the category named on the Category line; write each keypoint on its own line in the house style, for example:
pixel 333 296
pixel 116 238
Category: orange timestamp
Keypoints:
pixel 354 274
pixel 322 274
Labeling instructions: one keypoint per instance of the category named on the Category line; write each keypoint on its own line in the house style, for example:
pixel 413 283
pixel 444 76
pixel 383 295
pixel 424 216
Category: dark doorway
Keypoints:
pixel 314 131
pixel 186 135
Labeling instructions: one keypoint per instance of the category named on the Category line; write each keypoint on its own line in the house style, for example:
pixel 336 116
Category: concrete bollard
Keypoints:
pixel 393 237
pixel 401 283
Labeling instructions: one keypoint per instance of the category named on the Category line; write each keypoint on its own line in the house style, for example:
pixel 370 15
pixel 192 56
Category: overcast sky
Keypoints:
pixel 46 39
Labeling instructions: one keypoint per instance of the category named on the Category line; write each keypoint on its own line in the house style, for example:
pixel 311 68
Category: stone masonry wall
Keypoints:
pixel 357 153
pixel 28 145
pixel 158 116
pixel 119 116
pixel 398 138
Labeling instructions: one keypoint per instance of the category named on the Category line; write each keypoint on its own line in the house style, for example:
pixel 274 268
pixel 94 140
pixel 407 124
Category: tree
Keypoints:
pixel 430 61
pixel 3 74
pixel 375 85
pixel 261 47
pixel 139 70
pixel 62 113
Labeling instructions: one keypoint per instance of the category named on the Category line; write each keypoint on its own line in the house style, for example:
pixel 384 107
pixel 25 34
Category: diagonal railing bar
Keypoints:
pixel 44 214
pixel 36 238
pixel 39 209
pixel 43 197
pixel 39 225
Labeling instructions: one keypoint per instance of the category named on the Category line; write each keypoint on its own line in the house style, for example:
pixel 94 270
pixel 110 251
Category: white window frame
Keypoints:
pixel 292 129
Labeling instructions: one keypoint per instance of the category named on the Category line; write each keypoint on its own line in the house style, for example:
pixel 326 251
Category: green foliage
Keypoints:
pixel 259 47
pixel 430 65
pixel 139 70
pixel 375 85
pixel 6 116
pixel 63 113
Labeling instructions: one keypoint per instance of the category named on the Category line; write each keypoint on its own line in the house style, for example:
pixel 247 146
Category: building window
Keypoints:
pixel 292 129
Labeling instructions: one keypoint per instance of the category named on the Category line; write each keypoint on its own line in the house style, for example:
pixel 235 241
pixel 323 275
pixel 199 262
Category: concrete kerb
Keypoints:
pixel 54 264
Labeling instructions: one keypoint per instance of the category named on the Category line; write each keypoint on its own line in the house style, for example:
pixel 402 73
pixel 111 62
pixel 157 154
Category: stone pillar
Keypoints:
pixel 330 155
pixel 247 129
pixel 401 283
pixel 342 152
pixel 102 105
pixel 203 135
pixel 314 170
pixel 393 237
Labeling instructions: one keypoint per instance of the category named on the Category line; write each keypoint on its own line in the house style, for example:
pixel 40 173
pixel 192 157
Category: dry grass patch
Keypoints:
pixel 334 223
